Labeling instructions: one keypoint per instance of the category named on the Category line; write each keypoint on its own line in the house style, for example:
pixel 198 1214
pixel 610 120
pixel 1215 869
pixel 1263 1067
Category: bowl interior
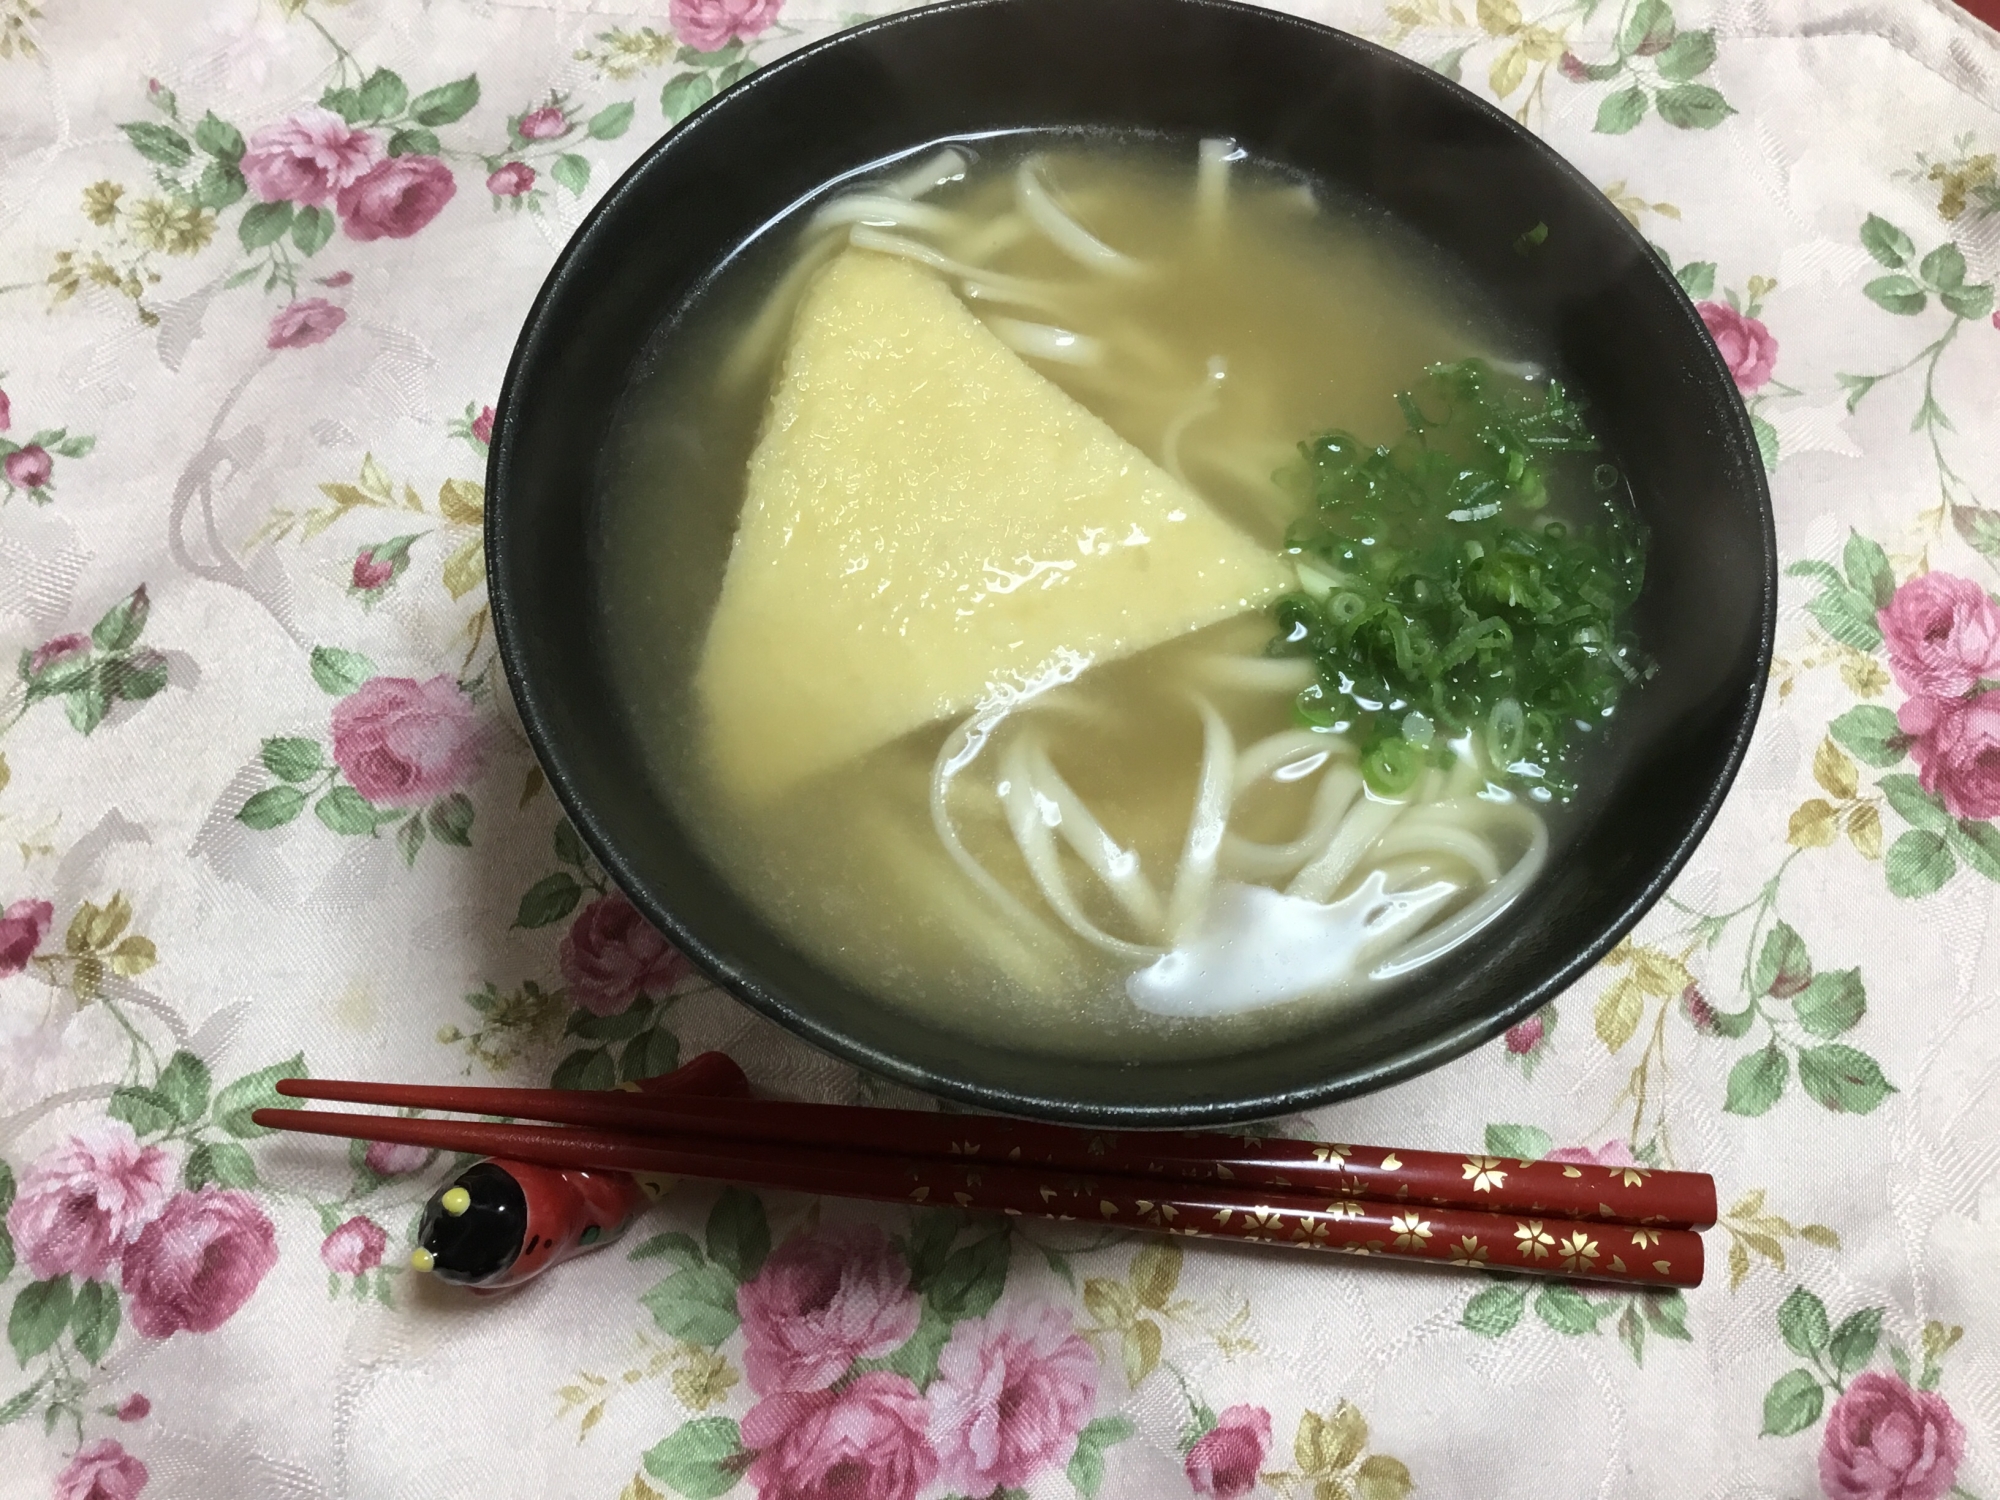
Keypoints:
pixel 1340 109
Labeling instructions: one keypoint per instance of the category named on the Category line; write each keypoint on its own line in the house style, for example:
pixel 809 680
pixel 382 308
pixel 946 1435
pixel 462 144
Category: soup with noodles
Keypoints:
pixel 1110 597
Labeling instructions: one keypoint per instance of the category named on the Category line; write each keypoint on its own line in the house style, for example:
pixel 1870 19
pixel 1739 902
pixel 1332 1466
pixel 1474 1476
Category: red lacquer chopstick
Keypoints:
pixel 1539 1244
pixel 1434 1179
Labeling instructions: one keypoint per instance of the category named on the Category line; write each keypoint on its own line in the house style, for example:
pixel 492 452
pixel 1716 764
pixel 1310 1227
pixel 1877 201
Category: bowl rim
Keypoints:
pixel 1420 1057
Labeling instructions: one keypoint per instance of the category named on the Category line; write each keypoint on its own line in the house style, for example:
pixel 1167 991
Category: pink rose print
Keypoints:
pixel 1226 1460
pixel 1526 1037
pixel 1746 344
pixel 84 1201
pixel 60 649
pixel 864 1442
pixel 402 742
pixel 309 158
pixel 543 124
pixel 196 1264
pixel 386 1159
pixel 1699 1011
pixel 1943 635
pixel 29 468
pixel 1610 1154
pixel 1885 1441
pixel 135 1408
pixel 313 320
pixel 6 412
pixel 395 198
pixel 512 180
pixel 354 1247
pixel 1013 1390
pixel 611 955
pixel 821 1302
pixel 338 279
pixel 1956 742
pixel 23 925
pixel 711 25
pixel 482 425
pixel 371 572
pixel 101 1470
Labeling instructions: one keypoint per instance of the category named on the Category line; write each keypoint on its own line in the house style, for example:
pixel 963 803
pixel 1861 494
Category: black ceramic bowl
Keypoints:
pixel 1444 162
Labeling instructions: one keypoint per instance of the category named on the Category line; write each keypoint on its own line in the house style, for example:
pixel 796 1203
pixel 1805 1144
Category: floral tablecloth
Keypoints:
pixel 264 809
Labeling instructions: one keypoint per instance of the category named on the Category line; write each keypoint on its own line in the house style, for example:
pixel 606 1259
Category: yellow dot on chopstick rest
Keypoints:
pixel 455 1201
pixel 421 1259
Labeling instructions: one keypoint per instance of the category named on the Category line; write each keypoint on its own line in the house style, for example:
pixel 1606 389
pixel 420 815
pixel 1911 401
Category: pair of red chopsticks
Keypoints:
pixel 1621 1224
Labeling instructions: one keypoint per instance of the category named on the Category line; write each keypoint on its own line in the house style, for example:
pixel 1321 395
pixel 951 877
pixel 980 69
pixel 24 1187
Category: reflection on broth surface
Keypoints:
pixel 989 630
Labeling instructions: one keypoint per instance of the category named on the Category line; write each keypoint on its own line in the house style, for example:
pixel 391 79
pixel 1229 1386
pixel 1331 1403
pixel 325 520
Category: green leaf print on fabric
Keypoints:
pixel 1495 1310
pixel 1832 1003
pixel 1758 1081
pixel 1566 1310
pixel 159 144
pixel 682 96
pixel 446 104
pixel 1886 242
pixel 697 1305
pixel 548 900
pixel 222 1163
pixel 1871 732
pixel 293 759
pixel 739 1236
pixel 698 1302
pixel 611 122
pixel 1693 106
pixel 183 1083
pixel 700 1460
pixel 1522 1142
pixel 572 171
pixel 338 671
pixel 93 1320
pixel 1845 611
pixel 1086 1464
pixel 1843 1079
pixel 1793 1404
pixel 40 1313
pixel 1802 1322
pixel 1622 111
pixel 970 1280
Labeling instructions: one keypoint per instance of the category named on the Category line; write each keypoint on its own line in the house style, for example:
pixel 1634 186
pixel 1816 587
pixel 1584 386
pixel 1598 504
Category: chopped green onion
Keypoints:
pixel 1441 599
pixel 1392 767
